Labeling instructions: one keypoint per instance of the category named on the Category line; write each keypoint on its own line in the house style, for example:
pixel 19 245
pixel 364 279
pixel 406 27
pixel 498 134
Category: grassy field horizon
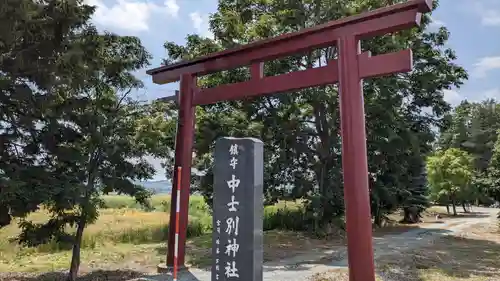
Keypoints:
pixel 124 231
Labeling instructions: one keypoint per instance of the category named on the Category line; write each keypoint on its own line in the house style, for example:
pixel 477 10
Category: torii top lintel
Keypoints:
pixel 377 22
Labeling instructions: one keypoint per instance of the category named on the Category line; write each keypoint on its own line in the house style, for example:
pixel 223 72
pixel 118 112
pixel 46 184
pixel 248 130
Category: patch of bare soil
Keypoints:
pixel 471 256
pixel 335 275
pixel 278 245
pixel 98 275
pixel 332 275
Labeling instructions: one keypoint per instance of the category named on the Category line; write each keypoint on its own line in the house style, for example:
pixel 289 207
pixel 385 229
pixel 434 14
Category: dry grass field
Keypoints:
pixel 128 237
pixel 128 241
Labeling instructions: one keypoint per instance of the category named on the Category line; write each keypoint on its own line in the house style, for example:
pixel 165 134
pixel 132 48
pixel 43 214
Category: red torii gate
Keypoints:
pixel 351 67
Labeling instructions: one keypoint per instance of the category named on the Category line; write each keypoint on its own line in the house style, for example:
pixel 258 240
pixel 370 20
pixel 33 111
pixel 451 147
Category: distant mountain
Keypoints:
pixel 157 187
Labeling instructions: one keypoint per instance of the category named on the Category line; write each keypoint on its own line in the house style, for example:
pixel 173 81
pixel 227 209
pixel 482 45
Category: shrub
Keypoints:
pixel 284 218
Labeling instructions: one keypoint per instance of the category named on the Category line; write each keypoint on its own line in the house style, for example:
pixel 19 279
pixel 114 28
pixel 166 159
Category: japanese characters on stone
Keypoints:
pixel 232 222
pixel 235 200
pixel 217 248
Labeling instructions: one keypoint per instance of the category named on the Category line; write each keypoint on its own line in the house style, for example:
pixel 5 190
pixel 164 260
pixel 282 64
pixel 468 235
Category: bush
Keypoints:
pixel 284 218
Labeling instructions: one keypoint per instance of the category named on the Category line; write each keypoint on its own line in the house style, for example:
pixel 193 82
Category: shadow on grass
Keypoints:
pixel 281 249
pixel 448 258
pixel 184 275
pixel 473 214
pixel 199 251
pixel 99 275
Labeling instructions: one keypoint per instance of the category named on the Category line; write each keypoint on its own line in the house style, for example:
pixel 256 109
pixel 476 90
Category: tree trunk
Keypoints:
pixel 464 207
pixel 406 216
pixel 5 218
pixel 454 207
pixel 75 259
pixel 77 244
pixel 411 215
pixel 377 219
pixel 448 208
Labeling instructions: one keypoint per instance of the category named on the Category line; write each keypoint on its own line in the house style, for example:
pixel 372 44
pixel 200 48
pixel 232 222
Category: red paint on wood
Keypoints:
pixel 354 164
pixel 350 68
pixel 376 27
pixel 178 189
pixel 269 85
pixel 257 70
pixel 183 155
pixel 388 19
pixel 369 67
pixel 385 64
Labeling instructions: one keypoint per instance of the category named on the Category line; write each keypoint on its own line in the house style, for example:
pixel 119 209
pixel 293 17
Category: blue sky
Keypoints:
pixel 474 27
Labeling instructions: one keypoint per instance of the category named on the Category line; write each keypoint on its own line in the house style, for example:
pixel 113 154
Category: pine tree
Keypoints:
pixel 493 178
pixel 417 192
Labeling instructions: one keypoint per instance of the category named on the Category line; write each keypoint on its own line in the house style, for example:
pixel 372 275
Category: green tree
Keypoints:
pixel 473 127
pixel 450 173
pixel 70 130
pixel 35 37
pixel 416 199
pixel 494 171
pixel 301 130
pixel 111 135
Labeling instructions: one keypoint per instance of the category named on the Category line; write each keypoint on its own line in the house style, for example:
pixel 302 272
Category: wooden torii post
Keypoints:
pixel 348 70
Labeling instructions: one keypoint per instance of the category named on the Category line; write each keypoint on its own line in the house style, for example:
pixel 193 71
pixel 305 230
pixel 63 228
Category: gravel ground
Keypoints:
pixel 290 270
pixel 300 268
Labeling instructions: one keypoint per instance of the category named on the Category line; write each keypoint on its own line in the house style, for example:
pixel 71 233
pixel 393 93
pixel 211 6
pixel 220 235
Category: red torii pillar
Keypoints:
pixel 351 67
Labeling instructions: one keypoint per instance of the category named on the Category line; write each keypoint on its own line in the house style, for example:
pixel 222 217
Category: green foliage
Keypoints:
pixel 69 129
pixel 301 130
pixel 473 127
pixel 493 172
pixel 285 218
pixel 35 65
pixel 450 173
pixel 416 198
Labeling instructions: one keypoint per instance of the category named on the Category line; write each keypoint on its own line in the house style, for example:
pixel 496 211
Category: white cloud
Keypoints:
pixel 487 10
pixel 491 18
pixel 172 7
pixel 485 65
pixel 197 20
pixel 130 15
pixel 200 23
pixel 452 97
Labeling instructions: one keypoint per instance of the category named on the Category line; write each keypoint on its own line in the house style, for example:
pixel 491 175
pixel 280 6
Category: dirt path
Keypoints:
pixel 303 267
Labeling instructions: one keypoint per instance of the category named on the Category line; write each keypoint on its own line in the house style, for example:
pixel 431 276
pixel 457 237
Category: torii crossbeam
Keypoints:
pixel 348 70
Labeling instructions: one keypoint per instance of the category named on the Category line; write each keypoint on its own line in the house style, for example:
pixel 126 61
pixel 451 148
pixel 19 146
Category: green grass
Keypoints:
pixel 124 230
pixel 129 236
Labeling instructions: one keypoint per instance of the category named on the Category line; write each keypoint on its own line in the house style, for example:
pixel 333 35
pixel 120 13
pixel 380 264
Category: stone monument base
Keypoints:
pixel 164 268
